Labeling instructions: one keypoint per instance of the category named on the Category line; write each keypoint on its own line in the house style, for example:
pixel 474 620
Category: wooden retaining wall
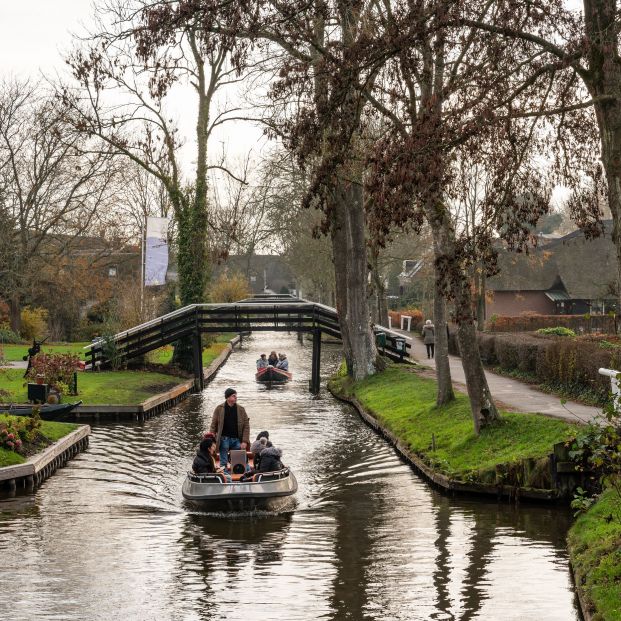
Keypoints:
pixel 42 465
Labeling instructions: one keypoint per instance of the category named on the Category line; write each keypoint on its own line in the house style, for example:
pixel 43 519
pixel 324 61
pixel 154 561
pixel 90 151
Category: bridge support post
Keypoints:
pixel 316 363
pixel 199 381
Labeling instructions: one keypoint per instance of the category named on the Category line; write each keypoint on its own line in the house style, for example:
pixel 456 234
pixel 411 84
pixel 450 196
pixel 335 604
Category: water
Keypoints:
pixel 109 537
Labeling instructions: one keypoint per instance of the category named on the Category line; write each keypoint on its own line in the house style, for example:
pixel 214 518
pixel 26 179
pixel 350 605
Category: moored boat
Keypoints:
pixel 47 411
pixel 273 375
pixel 266 490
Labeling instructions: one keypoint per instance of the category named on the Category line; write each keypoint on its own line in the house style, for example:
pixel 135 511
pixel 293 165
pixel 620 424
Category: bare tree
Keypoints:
pixel 54 188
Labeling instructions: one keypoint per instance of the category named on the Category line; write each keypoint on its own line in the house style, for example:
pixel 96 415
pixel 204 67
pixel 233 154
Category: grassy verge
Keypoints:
pixel 163 355
pixel 595 550
pixel 404 402
pixel 51 430
pixel 107 387
pixel 13 353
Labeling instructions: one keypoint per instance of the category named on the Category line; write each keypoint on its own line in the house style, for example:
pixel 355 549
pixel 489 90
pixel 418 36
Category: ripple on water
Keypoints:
pixel 109 536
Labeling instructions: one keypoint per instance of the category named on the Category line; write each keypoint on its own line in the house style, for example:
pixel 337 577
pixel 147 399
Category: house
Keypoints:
pixel 568 275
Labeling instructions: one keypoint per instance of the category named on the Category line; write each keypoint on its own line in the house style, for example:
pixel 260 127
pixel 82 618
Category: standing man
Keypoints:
pixel 231 426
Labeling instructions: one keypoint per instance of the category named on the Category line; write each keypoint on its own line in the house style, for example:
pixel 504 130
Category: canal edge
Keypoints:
pixel 44 464
pixel 158 403
pixel 439 480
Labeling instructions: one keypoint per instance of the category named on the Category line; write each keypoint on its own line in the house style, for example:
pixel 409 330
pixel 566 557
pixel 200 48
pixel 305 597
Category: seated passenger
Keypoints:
pixel 273 359
pixel 204 462
pixel 283 363
pixel 262 362
pixel 257 447
pixel 270 460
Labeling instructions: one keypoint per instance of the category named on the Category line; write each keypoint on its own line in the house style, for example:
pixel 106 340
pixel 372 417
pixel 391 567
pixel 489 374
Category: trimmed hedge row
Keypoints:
pixel 570 364
pixel 415 313
pixel 528 322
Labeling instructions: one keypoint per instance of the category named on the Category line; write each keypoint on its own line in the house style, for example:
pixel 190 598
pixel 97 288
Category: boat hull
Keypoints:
pixel 46 410
pixel 267 495
pixel 272 375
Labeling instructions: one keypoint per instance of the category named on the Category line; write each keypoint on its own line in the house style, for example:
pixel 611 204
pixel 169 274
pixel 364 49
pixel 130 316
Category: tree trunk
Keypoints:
pixel 15 313
pixel 481 316
pixel 451 273
pixel 380 314
pixel 445 392
pixel 350 270
pixel 482 405
pixel 604 79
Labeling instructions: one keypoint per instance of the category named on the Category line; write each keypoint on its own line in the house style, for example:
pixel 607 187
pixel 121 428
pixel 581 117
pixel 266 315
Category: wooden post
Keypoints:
pixel 316 363
pixel 199 382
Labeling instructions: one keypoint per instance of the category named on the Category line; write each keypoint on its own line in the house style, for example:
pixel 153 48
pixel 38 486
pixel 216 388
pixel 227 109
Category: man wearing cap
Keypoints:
pixel 231 425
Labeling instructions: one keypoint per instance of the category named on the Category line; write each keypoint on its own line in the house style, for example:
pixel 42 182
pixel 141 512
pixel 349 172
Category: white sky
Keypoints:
pixel 34 36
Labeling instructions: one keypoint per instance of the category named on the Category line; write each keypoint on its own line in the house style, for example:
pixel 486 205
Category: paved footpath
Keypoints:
pixel 512 394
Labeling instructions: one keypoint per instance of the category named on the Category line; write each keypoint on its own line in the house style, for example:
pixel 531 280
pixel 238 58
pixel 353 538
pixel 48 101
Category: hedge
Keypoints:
pixel 570 364
pixel 415 313
pixel 585 324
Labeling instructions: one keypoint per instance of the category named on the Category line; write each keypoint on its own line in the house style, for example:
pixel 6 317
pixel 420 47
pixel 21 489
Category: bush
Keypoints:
pixel 556 331
pixel 8 336
pixel 34 323
pixel 57 369
pixel 229 288
pixel 415 313
pixel 15 432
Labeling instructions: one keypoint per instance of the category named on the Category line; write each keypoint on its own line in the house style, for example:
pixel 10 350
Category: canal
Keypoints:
pixel 109 537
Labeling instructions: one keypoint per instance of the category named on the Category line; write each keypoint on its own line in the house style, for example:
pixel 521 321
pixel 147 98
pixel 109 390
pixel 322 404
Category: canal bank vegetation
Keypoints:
pixel 23 436
pixel 404 402
pixel 595 551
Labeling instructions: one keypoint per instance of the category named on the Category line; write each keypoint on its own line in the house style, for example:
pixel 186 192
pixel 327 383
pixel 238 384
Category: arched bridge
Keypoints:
pixel 282 313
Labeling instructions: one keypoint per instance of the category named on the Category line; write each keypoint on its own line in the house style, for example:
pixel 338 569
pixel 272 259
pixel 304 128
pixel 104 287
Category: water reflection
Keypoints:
pixel 109 536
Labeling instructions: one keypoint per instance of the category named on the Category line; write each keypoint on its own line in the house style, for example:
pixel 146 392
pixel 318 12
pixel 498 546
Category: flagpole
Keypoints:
pixel 142 244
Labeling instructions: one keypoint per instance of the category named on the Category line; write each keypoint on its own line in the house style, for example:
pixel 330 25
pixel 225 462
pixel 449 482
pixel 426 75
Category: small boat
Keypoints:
pixel 270 375
pixel 47 411
pixel 266 490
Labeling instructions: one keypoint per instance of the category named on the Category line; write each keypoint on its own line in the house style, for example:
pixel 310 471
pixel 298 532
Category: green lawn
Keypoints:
pixel 106 387
pixel 52 430
pixel 595 551
pixel 405 403
pixel 17 352
pixel 163 355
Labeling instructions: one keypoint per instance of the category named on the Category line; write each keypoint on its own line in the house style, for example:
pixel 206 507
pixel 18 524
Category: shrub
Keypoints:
pixel 57 369
pixel 229 288
pixel 556 331
pixel 15 432
pixel 111 351
pixel 34 323
pixel 8 336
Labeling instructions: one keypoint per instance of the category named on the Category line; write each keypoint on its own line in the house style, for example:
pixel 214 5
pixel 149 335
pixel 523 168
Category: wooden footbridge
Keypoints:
pixel 280 313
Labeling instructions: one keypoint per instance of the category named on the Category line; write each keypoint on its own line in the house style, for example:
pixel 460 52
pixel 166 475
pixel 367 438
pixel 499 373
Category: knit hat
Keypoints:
pixel 263 434
pixel 228 392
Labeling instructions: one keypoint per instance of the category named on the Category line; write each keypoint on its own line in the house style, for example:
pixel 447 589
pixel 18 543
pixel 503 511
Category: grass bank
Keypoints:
pixel 106 387
pixel 163 355
pixel 404 403
pixel 13 353
pixel 595 551
pixel 51 431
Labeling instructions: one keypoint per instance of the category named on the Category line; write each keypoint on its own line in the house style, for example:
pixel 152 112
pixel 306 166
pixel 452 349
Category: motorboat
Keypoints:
pixel 265 490
pixel 273 375
pixel 47 411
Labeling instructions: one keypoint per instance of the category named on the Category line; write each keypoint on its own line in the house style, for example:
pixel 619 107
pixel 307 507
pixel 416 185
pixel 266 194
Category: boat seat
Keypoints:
pixel 262 477
pixel 207 477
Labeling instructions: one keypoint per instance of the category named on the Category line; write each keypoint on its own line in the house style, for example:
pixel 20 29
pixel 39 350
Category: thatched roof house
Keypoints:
pixel 569 275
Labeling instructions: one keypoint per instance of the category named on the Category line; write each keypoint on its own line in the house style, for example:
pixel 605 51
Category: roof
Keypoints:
pixel 585 268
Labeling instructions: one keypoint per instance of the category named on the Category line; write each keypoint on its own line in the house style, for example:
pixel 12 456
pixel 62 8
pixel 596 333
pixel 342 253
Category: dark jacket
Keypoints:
pixel 203 463
pixel 273 360
pixel 429 334
pixel 243 424
pixel 270 460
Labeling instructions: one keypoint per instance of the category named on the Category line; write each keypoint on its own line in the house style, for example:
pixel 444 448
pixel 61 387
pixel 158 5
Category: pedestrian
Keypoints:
pixel 429 338
pixel 231 425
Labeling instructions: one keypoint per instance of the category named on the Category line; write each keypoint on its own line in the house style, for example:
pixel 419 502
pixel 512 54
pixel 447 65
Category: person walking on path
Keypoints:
pixel 429 338
pixel 231 426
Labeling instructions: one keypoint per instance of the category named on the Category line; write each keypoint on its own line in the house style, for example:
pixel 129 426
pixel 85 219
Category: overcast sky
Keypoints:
pixel 35 34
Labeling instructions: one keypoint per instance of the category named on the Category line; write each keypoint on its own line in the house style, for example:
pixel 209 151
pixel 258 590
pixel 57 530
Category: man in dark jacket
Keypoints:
pixel 204 461
pixel 270 460
pixel 231 426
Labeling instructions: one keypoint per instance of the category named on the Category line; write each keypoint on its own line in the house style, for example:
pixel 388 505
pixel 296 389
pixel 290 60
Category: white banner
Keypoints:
pixel 156 252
